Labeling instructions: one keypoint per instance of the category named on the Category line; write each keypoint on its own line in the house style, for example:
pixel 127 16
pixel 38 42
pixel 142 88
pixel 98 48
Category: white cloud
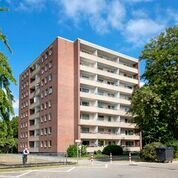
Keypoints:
pixel 172 15
pixel 142 84
pixel 139 31
pixel 116 14
pixel 27 5
pixel 124 16
pixel 16 104
pixel 138 1
pixel 101 15
pixel 140 13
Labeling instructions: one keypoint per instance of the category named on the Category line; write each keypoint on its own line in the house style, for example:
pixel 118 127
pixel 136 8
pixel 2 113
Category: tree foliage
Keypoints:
pixel 114 149
pixel 72 150
pixel 149 151
pixel 9 135
pixel 6 77
pixel 155 105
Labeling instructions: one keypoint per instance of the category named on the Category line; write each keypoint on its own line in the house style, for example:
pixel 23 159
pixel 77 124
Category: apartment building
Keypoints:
pixel 77 91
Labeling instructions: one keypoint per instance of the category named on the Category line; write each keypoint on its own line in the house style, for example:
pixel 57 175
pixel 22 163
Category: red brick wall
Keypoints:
pixel 65 87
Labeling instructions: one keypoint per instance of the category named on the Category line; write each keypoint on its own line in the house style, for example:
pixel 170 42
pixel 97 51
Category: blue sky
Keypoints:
pixel 122 25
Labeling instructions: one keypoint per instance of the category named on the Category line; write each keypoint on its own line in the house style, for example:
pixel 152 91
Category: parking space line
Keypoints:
pixel 95 166
pixel 55 171
pixel 70 169
pixel 23 174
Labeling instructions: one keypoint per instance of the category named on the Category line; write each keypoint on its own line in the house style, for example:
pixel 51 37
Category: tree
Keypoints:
pixel 6 77
pixel 155 105
pixel 9 135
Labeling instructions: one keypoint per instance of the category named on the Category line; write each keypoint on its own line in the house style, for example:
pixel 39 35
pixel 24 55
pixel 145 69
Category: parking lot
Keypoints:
pixel 101 170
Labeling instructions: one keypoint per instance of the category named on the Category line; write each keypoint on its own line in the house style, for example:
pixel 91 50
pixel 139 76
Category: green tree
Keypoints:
pixel 6 76
pixel 9 135
pixel 155 105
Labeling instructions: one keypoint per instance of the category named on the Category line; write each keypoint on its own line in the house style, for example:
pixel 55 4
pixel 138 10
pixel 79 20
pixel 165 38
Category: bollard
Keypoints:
pixel 91 158
pixel 110 156
pixel 130 158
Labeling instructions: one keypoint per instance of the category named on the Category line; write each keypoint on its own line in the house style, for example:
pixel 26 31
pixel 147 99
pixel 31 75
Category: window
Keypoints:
pixel 42 106
pixel 85 116
pixel 46 92
pixel 50 64
pixel 41 131
pixel 49 130
pixel 86 90
pixel 49 116
pixel 41 119
pixel 50 77
pixel 84 103
pixel 85 130
pixel 49 104
pixel 46 67
pixel 42 59
pixel 50 52
pixel 42 82
pixel 50 90
pixel 42 94
pixel 49 143
pixel 41 144
pixel 109 119
pixel 42 71
pixel 45 105
pixel 45 131
pixel 101 118
pixel 46 56
pixel 45 80
pixel 45 118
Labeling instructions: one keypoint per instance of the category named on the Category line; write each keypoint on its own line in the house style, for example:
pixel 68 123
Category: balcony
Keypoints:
pixel 110 136
pixel 34 138
pixel 35 93
pixel 34 149
pixel 35 115
pixel 127 79
pixel 98 84
pixel 35 71
pixel 104 98
pixel 107 124
pixel 133 148
pixel 34 127
pixel 108 62
pixel 98 71
pixel 33 105
pixel 93 109
pixel 36 81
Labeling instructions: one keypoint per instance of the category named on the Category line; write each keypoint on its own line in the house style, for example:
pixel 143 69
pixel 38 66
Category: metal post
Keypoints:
pixel 77 152
pixel 91 159
pixel 130 158
pixel 110 156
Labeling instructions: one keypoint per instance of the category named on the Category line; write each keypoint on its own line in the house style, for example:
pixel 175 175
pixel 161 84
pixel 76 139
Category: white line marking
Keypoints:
pixel 55 171
pixel 23 174
pixel 70 169
pixel 106 165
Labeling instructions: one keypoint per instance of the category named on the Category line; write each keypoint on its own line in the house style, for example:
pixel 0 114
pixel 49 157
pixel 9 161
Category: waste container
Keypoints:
pixel 165 154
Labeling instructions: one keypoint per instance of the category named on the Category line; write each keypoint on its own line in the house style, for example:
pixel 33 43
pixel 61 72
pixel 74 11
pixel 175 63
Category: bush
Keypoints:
pixel 114 149
pixel 72 151
pixel 174 144
pixel 149 151
pixel 98 152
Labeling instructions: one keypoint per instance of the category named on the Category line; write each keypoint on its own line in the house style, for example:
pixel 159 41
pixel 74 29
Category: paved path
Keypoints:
pixel 102 170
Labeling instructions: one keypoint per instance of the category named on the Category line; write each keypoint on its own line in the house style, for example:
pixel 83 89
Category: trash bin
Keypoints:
pixel 165 154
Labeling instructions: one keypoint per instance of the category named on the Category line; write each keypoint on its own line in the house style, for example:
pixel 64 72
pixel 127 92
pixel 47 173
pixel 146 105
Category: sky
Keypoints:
pixel 121 25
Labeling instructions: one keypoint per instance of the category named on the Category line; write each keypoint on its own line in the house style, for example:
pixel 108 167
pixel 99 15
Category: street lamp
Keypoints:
pixel 77 142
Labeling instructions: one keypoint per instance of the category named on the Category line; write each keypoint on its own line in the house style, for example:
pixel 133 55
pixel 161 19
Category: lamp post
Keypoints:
pixel 77 142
